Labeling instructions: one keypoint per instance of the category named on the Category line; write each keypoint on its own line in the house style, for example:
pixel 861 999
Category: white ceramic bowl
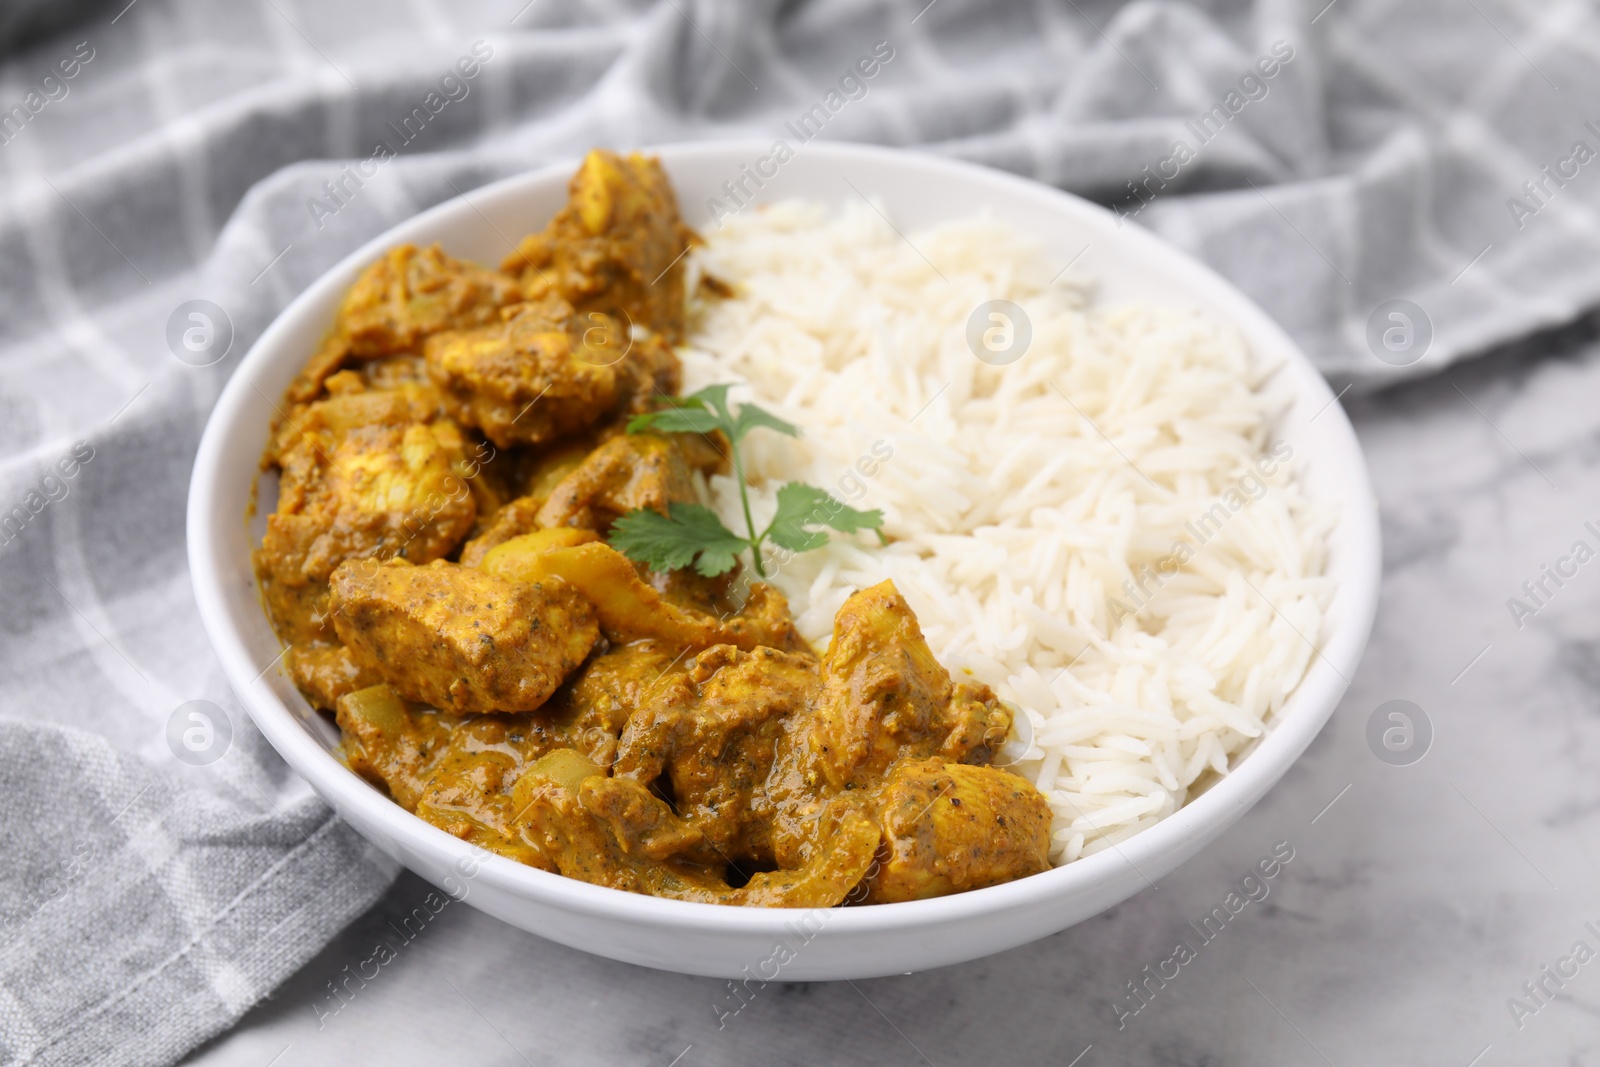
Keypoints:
pixel 766 943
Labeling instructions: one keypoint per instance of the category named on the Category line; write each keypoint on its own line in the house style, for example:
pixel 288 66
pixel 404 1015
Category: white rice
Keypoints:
pixel 1020 499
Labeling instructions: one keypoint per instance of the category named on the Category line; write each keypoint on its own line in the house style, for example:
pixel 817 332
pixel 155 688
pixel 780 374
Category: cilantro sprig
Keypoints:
pixel 692 534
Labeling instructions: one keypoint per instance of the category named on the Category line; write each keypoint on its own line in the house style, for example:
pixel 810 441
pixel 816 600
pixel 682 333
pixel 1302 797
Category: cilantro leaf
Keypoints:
pixel 801 505
pixel 751 417
pixel 672 542
pixel 691 534
pixel 677 420
pixel 708 410
pixel 712 398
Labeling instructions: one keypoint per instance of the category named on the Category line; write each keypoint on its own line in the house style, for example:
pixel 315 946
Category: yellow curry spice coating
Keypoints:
pixel 449 465
pixel 461 639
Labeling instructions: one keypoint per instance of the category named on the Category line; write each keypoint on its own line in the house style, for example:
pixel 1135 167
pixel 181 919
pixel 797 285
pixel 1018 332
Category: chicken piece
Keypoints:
pixel 765 620
pixel 950 827
pixel 533 378
pixel 649 371
pixel 615 248
pixel 588 713
pixel 519 516
pixel 491 474
pixel 513 520
pixel 692 591
pixel 549 466
pixel 593 707
pixel 411 293
pixel 365 474
pixel 381 372
pixel 611 832
pixel 401 483
pixel 628 609
pixel 886 697
pixel 632 470
pixel 883 698
pixel 494 475
pixel 642 823
pixel 390 372
pixel 461 639
pixel 842 858
pixel 400 299
pixel 383 738
pixel 351 404
pixel 324 673
pixel 615 832
pixel 712 732
pixel 463 783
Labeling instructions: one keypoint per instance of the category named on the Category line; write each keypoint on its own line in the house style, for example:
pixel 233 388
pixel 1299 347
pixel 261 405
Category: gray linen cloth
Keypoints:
pixel 157 881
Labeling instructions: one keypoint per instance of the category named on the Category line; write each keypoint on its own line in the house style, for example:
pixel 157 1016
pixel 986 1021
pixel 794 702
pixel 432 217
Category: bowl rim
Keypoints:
pixel 1205 816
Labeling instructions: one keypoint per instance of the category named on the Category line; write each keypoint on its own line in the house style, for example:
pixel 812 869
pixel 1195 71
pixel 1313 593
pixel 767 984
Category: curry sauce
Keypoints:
pixel 450 463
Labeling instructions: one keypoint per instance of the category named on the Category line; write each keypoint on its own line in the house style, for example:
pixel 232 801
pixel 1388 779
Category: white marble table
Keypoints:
pixel 1414 909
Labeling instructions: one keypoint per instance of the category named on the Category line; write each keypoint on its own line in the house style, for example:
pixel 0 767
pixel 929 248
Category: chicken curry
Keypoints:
pixel 450 464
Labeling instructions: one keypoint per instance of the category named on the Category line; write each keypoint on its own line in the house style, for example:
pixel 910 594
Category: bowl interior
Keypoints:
pixel 1127 263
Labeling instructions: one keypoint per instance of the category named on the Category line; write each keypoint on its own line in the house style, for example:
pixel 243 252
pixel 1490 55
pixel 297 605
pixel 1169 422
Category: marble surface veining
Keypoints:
pixel 1402 931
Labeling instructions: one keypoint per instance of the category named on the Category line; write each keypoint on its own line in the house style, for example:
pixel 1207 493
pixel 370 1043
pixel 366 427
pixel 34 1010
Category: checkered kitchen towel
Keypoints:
pixel 162 870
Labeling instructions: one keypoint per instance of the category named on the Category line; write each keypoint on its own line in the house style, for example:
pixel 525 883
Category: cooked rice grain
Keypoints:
pixel 1020 499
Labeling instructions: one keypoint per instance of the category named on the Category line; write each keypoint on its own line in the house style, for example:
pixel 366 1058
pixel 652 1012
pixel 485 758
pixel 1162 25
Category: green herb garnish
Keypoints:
pixel 692 534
